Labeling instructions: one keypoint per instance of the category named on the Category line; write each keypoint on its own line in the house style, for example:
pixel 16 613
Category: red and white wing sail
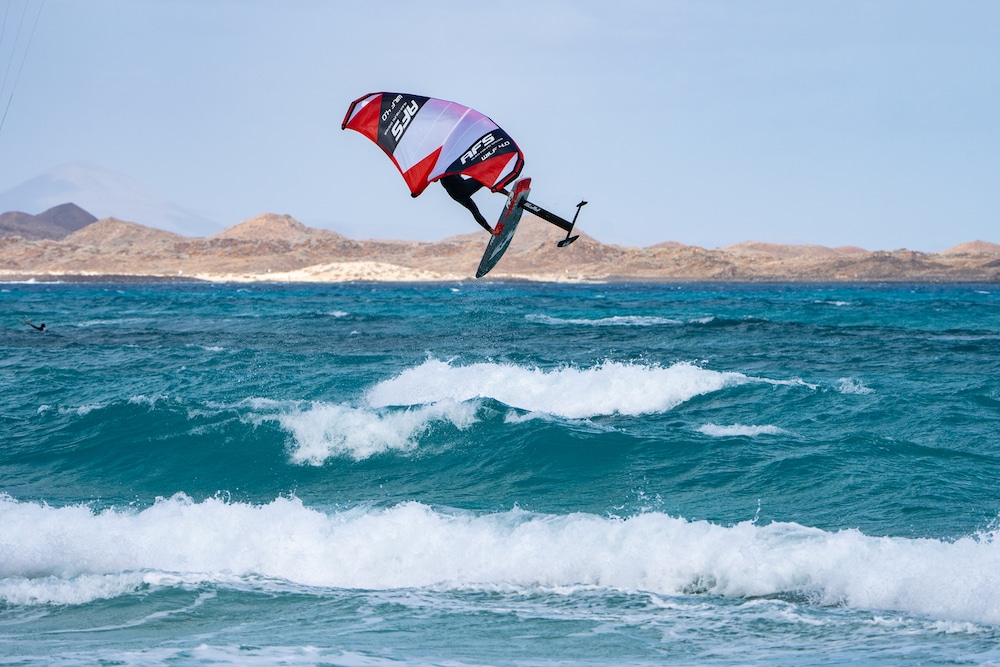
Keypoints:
pixel 427 138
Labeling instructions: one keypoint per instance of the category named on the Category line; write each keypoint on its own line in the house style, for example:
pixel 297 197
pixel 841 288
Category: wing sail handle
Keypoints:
pixel 427 138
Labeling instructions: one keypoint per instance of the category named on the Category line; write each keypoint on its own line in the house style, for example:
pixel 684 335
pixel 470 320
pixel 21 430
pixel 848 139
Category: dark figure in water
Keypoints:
pixel 38 327
pixel 461 190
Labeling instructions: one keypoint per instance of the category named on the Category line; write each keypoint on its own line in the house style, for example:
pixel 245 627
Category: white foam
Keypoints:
pixel 734 430
pixel 613 321
pixel 83 410
pixel 852 386
pixel 606 389
pixel 321 431
pixel 324 430
pixel 514 417
pixel 71 554
pixel 75 590
pixel 149 401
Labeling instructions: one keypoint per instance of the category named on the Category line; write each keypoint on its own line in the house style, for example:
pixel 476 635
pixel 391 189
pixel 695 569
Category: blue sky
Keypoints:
pixel 868 123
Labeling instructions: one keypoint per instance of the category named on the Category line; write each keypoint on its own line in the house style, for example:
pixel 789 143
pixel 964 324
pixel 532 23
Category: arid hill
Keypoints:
pixel 55 223
pixel 271 227
pixel 777 251
pixel 274 247
pixel 115 234
pixel 974 248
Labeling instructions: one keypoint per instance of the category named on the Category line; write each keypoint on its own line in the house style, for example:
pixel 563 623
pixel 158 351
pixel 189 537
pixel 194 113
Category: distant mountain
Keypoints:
pixel 55 223
pixel 105 193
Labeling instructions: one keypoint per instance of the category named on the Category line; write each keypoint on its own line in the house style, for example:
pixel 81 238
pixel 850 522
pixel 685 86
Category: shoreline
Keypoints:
pixel 26 278
pixel 279 249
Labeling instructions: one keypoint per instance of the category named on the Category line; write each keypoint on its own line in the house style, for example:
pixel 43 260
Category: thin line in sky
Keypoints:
pixel 13 53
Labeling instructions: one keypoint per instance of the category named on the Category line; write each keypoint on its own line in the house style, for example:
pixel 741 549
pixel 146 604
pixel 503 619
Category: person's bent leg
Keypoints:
pixel 471 205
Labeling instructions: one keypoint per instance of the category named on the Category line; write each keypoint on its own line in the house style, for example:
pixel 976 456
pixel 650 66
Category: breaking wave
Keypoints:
pixel 573 393
pixel 71 555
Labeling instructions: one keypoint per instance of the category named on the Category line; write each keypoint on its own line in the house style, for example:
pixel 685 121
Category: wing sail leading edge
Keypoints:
pixel 427 138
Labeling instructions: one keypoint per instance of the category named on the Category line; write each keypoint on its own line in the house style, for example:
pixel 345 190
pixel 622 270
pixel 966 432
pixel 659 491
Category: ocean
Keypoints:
pixel 499 474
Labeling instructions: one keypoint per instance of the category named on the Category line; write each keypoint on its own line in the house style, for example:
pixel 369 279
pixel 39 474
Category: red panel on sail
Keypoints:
pixel 427 138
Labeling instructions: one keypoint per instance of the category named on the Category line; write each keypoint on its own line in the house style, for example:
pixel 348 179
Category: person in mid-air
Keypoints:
pixel 36 327
pixel 461 190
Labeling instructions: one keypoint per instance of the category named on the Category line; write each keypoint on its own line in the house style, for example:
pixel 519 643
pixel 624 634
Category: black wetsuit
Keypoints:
pixel 461 190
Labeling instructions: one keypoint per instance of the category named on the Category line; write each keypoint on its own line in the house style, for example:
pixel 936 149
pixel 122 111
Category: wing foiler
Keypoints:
pixel 428 138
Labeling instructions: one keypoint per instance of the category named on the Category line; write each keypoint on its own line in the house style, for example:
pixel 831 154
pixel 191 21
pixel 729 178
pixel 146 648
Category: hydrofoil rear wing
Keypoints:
pixel 552 218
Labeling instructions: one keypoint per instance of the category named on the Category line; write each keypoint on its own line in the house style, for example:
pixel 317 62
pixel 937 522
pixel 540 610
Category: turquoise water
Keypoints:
pixel 504 474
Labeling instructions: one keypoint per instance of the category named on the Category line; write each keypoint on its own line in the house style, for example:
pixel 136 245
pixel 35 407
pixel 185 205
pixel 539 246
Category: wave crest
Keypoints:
pixel 326 431
pixel 573 393
pixel 71 554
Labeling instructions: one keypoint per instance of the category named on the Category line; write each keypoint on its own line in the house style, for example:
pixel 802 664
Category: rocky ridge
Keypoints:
pixel 273 247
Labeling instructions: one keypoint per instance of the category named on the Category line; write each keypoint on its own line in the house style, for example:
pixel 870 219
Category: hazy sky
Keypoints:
pixel 873 123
